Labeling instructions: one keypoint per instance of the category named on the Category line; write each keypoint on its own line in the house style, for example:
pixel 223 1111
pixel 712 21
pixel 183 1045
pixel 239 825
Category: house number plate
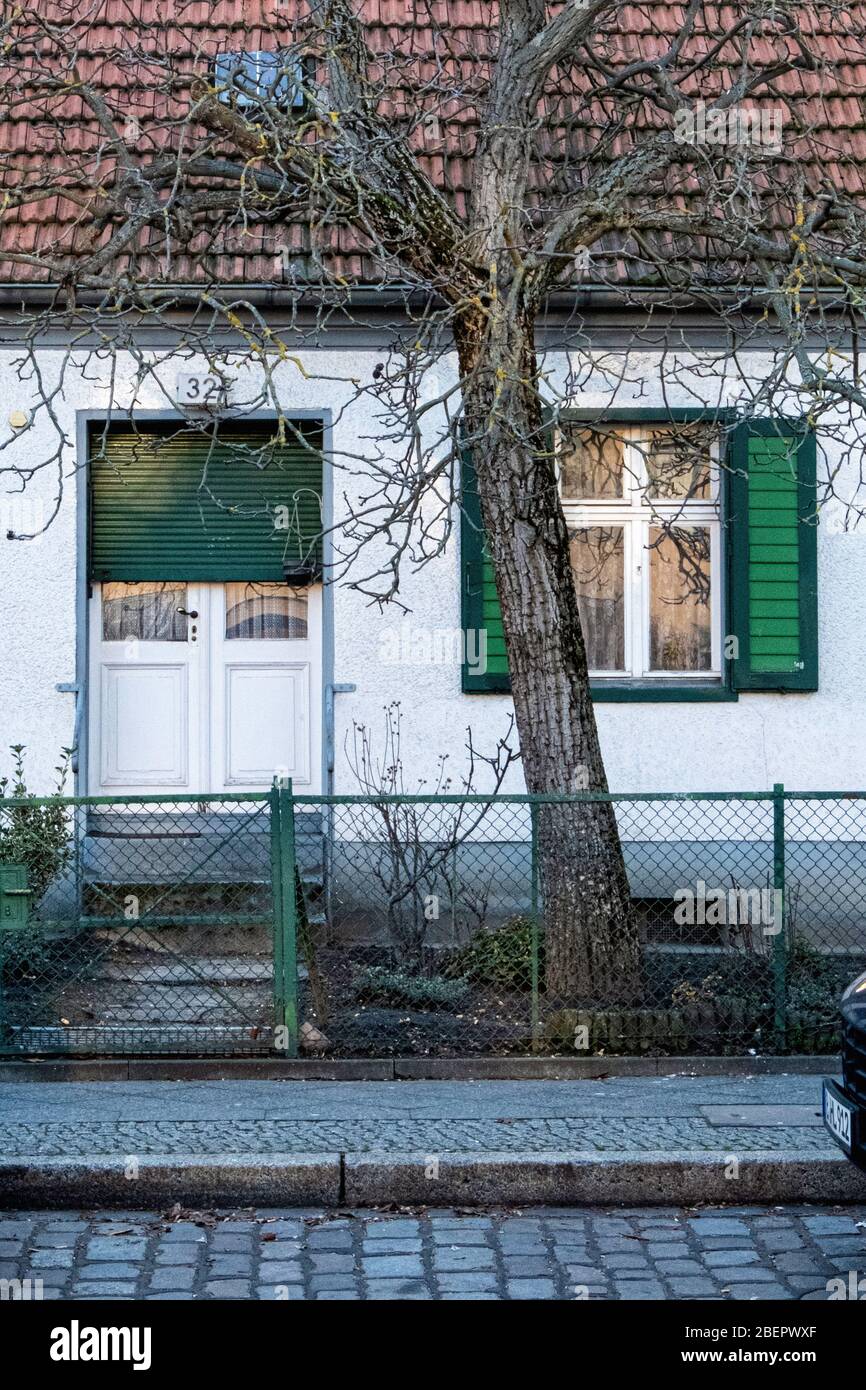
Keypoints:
pixel 200 388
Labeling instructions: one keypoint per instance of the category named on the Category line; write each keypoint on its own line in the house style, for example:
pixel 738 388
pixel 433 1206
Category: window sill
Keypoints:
pixel 661 694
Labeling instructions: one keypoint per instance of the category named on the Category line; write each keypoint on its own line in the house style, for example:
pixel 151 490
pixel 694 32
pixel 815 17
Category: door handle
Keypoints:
pixel 188 612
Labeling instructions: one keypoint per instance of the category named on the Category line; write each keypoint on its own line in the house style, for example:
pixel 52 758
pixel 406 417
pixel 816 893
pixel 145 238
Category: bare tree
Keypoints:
pixel 590 165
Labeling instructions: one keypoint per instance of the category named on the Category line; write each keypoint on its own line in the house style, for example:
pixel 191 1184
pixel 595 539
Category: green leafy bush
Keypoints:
pixel 394 989
pixel 35 835
pixel 502 957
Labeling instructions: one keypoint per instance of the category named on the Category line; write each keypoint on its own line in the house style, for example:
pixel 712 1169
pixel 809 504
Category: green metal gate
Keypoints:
pixel 153 924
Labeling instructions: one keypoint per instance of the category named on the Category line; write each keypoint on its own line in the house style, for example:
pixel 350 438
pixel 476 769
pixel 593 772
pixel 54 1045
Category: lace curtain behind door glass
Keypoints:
pixel 265 612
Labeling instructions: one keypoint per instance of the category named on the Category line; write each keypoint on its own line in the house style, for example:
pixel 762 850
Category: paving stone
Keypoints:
pixel 115 1248
pixel 759 1291
pixel 693 1287
pixel 470 1257
pixel 112 1270
pixel 325 1239
pixel 526 1266
pixel 796 1262
pixel 231 1241
pixel 471 1236
pixel 51 1259
pixel 829 1225
pixel 778 1242
pixel 680 1267
pixel 484 1257
pixel 405 1246
pixel 392 1266
pixel 178 1253
pixel 102 1288
pixel 173 1277
pixel 333 1281
pixel 397 1289
pixel 285 1273
pixel 375 1230
pixel 336 1262
pixel 740 1274
pixel 530 1288
pixel 725 1259
pixel 622 1262
pixel 718 1226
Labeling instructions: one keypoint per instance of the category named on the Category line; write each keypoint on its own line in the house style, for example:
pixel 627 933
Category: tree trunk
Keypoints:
pixel 591 941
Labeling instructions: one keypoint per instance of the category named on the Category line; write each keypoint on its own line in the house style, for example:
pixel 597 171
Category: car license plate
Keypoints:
pixel 837 1116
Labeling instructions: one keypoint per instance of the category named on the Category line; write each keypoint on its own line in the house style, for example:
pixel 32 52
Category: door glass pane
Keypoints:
pixel 591 463
pixel 678 461
pixel 144 612
pixel 265 612
pixel 597 562
pixel 680 637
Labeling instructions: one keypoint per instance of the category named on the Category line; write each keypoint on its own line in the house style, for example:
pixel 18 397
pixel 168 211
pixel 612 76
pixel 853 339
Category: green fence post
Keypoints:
pixel 533 820
pixel 780 945
pixel 285 920
pixel 277 898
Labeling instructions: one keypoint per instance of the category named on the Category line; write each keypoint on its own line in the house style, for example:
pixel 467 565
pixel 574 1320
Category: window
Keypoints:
pixel 265 612
pixel 261 78
pixel 641 503
pixel 154 612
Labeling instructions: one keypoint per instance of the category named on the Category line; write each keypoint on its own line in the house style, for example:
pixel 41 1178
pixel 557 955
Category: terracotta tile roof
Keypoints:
pixel 438 50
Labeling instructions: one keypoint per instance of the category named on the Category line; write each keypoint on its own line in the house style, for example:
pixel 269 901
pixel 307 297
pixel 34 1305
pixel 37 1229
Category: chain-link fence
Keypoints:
pixel 136 926
pixel 417 925
pixel 430 935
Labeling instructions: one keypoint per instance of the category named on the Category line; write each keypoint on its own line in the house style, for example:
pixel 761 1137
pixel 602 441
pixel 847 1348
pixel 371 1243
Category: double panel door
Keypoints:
pixel 204 687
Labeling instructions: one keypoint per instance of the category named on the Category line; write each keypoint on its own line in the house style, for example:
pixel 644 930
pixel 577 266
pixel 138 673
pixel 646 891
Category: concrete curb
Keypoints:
pixel 413 1179
pixel 218 1180
pixel 405 1068
pixel 633 1179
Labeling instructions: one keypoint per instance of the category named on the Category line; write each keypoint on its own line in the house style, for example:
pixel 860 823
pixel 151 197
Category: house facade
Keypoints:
pixel 130 634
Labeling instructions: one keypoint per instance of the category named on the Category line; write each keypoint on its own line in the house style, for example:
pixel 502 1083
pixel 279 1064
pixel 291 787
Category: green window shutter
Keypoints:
pixel 773 552
pixel 479 602
pixel 172 504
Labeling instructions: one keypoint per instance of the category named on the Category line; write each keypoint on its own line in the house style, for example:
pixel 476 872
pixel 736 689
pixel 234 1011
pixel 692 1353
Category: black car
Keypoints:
pixel 845 1105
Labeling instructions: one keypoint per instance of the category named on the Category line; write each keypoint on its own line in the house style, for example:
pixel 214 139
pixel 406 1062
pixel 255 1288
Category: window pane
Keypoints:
pixel 591 463
pixel 680 638
pixel 597 562
pixel 265 612
pixel 678 461
pixel 253 77
pixel 144 612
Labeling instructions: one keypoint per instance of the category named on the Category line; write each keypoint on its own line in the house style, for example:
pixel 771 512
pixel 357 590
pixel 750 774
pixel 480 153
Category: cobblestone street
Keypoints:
pixel 779 1253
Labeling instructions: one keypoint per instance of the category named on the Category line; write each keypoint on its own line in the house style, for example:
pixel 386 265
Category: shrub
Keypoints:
pixel 501 957
pixel 35 835
pixel 394 989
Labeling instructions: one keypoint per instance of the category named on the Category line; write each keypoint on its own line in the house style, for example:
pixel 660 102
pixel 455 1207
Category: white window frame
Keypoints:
pixel 636 513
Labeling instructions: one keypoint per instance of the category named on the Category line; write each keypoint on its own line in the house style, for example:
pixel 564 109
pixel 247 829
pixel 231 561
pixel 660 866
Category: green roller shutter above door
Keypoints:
pixel 479 600
pixel 773 539
pixel 168 503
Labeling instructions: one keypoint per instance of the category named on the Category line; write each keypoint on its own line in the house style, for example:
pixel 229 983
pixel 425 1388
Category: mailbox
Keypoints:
pixel 14 897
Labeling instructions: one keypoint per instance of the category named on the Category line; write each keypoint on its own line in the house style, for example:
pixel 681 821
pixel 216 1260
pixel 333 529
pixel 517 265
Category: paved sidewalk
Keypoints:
pixel 649 1253
pixel 633 1139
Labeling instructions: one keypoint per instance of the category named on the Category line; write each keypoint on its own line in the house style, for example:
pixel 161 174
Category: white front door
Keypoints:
pixel 204 687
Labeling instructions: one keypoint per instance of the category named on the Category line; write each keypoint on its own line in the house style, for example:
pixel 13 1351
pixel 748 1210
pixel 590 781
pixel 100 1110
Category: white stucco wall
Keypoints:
pixel 807 741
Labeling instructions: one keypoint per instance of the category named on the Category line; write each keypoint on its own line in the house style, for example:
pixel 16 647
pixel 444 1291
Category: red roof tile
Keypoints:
pixel 127 48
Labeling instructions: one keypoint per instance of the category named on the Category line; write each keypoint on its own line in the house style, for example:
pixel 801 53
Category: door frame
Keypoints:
pixel 85 420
